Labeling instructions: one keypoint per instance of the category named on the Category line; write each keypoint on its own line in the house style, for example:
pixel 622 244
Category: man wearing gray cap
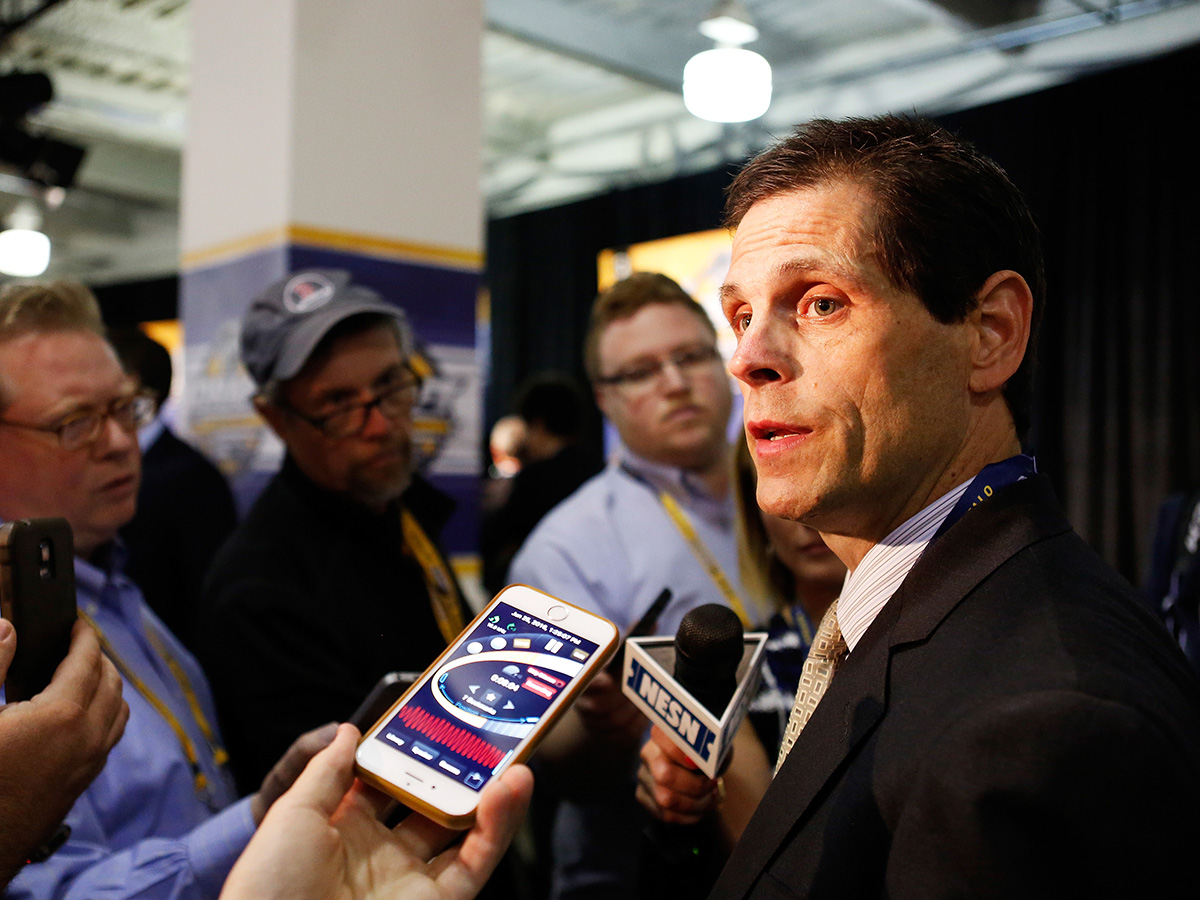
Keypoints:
pixel 334 578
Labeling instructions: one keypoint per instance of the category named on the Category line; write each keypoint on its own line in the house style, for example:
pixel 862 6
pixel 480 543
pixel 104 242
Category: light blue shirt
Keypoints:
pixel 611 548
pixel 141 830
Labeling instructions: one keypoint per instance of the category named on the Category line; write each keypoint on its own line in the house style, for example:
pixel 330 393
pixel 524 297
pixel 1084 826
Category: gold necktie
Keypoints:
pixel 827 650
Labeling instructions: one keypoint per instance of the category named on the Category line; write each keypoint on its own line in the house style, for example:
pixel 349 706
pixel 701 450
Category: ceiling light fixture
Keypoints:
pixel 24 249
pixel 727 83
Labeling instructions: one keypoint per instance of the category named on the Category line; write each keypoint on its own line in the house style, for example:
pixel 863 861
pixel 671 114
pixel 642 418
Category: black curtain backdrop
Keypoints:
pixel 1112 178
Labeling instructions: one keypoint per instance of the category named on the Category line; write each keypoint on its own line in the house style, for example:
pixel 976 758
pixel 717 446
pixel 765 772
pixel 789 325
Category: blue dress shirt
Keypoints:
pixel 611 548
pixel 141 829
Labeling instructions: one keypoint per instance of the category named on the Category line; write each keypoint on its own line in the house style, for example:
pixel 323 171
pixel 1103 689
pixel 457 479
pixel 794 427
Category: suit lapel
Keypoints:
pixel 856 701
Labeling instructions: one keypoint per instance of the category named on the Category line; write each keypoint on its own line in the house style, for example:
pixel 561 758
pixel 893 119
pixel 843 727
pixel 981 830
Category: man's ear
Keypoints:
pixel 1001 322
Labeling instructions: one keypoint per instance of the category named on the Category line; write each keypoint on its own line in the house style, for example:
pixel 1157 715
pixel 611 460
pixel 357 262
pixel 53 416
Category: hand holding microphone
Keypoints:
pixel 709 646
pixel 670 787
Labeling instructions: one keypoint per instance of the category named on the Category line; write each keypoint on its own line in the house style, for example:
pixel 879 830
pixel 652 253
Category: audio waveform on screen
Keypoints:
pixel 453 738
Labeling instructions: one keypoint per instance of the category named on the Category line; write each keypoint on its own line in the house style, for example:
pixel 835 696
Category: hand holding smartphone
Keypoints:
pixel 484 703
pixel 37 594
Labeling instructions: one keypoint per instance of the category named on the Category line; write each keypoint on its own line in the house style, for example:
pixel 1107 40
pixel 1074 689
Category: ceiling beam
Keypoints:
pixel 10 26
pixel 652 56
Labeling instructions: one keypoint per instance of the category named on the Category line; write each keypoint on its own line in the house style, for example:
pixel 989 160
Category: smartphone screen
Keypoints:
pixel 487 695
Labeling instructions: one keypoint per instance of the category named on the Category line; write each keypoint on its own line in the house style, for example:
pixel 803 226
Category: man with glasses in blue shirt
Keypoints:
pixel 334 578
pixel 659 517
pixel 161 819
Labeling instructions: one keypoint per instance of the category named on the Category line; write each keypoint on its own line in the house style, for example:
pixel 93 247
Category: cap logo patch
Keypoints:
pixel 307 292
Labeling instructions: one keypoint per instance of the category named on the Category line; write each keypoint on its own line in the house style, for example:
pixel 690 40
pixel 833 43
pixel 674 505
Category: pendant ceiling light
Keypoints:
pixel 728 83
pixel 24 250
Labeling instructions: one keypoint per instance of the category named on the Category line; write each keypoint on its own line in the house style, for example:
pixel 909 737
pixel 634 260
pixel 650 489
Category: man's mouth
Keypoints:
pixel 121 483
pixel 772 432
pixel 683 412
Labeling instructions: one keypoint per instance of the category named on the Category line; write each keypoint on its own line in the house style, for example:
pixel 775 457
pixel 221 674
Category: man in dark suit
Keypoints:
pixel 185 508
pixel 1004 719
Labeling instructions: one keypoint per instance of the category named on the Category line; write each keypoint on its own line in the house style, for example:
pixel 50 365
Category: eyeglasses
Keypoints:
pixel 82 429
pixel 684 361
pixel 394 402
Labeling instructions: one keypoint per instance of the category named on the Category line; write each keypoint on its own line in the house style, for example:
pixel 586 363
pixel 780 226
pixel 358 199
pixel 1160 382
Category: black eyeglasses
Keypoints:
pixel 394 402
pixel 82 429
pixel 645 374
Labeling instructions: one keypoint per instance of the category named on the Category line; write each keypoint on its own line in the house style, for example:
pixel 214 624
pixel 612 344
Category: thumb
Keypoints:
pixel 8 646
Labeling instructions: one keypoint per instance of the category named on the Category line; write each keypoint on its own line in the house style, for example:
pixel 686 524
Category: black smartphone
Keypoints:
pixel 37 594
pixel 387 691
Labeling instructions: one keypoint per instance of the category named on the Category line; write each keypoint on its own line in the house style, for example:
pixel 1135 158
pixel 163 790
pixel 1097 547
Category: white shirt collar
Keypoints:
pixel 869 587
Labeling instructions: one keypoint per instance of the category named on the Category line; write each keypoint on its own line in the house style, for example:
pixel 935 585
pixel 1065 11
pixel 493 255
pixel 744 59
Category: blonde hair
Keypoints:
pixel 32 306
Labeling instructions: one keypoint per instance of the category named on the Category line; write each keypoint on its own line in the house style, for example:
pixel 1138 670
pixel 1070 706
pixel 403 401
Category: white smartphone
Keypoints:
pixel 484 703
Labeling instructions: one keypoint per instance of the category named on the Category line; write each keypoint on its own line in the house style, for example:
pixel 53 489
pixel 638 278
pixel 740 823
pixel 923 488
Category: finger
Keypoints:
pixel 78 676
pixel 667 799
pixel 671 778
pixel 327 777
pixel 669 748
pixel 108 705
pixel 502 808
pixel 500 799
pixel 285 772
pixel 646 799
pixel 303 749
pixel 8 646
pixel 117 728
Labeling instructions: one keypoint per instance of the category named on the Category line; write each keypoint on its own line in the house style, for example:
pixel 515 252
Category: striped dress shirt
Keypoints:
pixel 887 564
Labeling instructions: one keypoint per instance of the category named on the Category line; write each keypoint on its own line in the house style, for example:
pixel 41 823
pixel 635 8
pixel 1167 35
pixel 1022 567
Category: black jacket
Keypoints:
pixel 310 602
pixel 185 512
pixel 1013 724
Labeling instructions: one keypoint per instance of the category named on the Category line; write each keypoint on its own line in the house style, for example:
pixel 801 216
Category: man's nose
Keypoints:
pixel 114 438
pixel 672 377
pixel 758 358
pixel 377 425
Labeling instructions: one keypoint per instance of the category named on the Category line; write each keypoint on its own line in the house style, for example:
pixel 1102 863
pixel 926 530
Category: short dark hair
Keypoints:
pixel 946 217
pixel 144 357
pixel 556 400
pixel 625 299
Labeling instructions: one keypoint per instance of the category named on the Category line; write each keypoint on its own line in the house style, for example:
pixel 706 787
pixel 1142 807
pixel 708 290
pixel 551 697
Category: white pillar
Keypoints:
pixel 344 134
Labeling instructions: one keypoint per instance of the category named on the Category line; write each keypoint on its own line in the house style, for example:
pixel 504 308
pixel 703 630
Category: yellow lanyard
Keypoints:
pixel 443 595
pixel 189 749
pixel 704 555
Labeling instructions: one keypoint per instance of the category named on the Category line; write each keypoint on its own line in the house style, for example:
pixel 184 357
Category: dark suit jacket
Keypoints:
pixel 1013 724
pixel 185 511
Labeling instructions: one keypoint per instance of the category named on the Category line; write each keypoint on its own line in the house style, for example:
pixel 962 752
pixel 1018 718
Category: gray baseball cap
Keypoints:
pixel 285 323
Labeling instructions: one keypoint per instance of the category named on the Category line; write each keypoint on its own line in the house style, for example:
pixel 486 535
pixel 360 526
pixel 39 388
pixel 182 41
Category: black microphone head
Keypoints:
pixel 710 634
pixel 708 648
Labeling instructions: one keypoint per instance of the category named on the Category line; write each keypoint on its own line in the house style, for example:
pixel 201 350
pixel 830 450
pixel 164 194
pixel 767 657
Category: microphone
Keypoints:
pixel 708 649
pixel 683 859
